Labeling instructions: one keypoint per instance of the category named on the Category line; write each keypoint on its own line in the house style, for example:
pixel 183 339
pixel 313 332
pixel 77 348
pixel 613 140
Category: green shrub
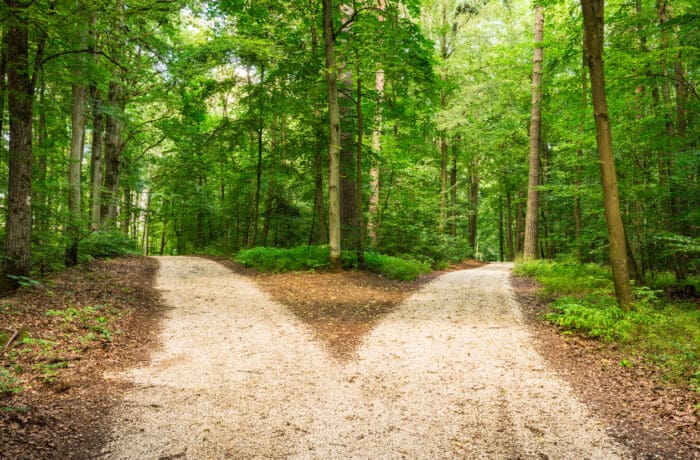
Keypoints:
pixel 567 277
pixel 666 334
pixel 394 267
pixel 317 258
pixel 285 260
pixel 8 382
pixel 102 245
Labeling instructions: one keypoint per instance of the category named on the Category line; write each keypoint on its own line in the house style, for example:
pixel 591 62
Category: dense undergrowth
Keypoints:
pixel 301 258
pixel 658 330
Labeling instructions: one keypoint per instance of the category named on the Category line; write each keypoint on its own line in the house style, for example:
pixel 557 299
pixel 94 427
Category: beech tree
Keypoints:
pixel 593 17
pixel 530 249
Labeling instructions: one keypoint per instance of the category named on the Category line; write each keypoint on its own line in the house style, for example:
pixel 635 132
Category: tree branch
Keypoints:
pixel 87 50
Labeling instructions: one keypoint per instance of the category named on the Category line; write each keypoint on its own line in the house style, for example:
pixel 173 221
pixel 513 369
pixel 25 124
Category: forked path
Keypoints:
pixel 451 373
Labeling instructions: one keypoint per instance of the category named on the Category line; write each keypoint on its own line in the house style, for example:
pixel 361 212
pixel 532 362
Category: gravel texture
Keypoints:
pixel 451 373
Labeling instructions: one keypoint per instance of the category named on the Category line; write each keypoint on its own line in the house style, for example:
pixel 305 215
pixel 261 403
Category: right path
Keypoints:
pixel 453 373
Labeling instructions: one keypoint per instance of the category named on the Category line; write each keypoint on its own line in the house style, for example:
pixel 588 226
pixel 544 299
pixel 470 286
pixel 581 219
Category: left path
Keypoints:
pixel 221 338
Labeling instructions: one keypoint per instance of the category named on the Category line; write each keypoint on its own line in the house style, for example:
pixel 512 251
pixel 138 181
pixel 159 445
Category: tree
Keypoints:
pixel 334 142
pixel 593 23
pixel 533 208
pixel 18 222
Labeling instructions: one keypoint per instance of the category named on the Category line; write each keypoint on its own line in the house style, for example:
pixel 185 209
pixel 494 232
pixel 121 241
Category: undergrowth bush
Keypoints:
pixel 301 258
pixel 102 245
pixel 656 330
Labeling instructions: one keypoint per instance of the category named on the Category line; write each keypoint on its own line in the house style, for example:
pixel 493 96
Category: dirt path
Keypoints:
pixel 450 373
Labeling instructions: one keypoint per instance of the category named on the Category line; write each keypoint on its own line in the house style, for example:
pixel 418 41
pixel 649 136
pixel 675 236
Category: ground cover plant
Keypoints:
pixel 276 260
pixel 659 330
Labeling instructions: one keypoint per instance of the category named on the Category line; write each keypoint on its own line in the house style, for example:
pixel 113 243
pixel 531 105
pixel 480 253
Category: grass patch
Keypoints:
pixel 657 331
pixel 303 258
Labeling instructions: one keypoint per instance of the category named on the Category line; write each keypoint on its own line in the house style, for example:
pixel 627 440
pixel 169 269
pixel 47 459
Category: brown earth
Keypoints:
pixel 656 419
pixel 61 412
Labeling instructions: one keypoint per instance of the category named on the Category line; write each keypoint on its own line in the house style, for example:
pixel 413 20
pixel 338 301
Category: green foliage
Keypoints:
pixel 301 258
pixel 8 382
pixel 394 267
pixel 657 331
pixel 567 277
pixel 89 318
pixel 285 260
pixel 103 245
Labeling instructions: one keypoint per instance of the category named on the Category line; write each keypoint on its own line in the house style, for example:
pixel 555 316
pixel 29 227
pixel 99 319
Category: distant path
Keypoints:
pixel 450 374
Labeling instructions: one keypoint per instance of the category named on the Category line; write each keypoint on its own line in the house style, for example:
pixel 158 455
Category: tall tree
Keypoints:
pixel 334 143
pixel 593 23
pixel 18 222
pixel 532 213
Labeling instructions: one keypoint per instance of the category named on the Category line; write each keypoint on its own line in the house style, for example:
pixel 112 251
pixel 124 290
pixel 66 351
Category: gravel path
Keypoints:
pixel 450 374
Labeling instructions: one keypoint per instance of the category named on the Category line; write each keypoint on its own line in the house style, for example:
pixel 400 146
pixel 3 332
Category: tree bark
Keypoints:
pixel 18 223
pixel 372 221
pixel 112 154
pixel 453 190
pixel 358 172
pixel 473 202
pixel 533 199
pixel 75 158
pixel 334 144
pixel 593 14
pixel 96 160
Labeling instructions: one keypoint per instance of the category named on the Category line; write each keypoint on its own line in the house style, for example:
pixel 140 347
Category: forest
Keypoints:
pixel 432 131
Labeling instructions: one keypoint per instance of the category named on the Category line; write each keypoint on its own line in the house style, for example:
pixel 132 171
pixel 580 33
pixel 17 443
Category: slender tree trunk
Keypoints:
pixel 147 226
pixel 42 212
pixel 318 197
pixel 18 223
pixel 162 236
pixel 680 261
pixel 334 145
pixel 96 161
pixel 253 235
pixel 443 183
pixel 501 236
pixel 593 20
pixel 519 224
pixel 578 220
pixel 453 190
pixel 319 205
pixel 510 248
pixel 270 195
pixel 473 202
pixel 74 174
pixel 127 209
pixel 3 86
pixel 533 199
pixel 358 172
pixel 112 154
pixel 373 222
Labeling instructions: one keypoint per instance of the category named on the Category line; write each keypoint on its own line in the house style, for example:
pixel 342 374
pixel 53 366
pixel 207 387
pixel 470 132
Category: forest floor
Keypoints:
pixel 320 365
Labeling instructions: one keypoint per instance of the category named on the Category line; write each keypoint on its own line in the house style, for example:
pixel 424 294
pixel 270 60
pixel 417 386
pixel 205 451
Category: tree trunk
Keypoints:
pixel 112 156
pixel 533 198
pixel 3 85
pixel 334 144
pixel 593 21
pixel 510 247
pixel 146 225
pixel 453 190
pixel 74 174
pixel 473 202
pixel 358 172
pixel 96 160
pixel 372 221
pixel 18 223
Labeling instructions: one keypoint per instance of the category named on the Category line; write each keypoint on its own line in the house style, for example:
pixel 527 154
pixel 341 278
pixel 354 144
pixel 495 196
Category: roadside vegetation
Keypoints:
pixel 661 329
pixel 303 258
